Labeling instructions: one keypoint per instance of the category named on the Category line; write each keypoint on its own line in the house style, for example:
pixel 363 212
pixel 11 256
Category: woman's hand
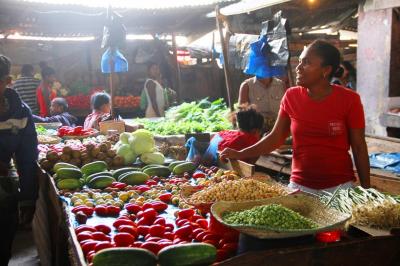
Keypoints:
pixel 229 153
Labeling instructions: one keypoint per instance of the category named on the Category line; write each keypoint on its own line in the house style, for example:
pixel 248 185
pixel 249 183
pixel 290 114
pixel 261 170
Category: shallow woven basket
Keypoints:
pixel 54 125
pixel 82 137
pixel 328 219
pixel 48 139
pixel 188 191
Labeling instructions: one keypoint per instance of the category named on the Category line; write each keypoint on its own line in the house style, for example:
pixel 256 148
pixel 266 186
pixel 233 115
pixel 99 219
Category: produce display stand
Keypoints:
pixel 58 245
pixel 382 180
pixel 50 224
pixel 124 112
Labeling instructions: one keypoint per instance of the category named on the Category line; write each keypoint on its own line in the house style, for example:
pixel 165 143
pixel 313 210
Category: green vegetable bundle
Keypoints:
pixel 194 117
pixel 344 200
pixel 274 216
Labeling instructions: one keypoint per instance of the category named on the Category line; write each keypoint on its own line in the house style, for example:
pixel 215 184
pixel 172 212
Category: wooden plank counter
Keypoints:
pixel 59 246
pixel 382 180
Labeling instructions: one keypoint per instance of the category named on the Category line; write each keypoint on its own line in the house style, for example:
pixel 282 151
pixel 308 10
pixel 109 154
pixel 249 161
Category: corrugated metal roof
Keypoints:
pixel 131 4
pixel 246 6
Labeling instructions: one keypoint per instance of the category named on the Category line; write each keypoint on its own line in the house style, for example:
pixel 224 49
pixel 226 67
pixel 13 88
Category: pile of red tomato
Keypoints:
pixel 126 101
pixel 79 101
pixel 75 131
pixel 143 227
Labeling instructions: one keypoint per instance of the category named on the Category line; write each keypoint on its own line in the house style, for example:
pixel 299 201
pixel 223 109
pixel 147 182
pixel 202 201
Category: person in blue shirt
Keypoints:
pixel 59 113
pixel 18 140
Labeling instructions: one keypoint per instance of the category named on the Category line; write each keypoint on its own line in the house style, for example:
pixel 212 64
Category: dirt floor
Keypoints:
pixel 24 250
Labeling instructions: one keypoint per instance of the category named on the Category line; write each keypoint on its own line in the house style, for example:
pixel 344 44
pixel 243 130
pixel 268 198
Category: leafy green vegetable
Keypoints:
pixel 274 216
pixel 41 130
pixel 193 117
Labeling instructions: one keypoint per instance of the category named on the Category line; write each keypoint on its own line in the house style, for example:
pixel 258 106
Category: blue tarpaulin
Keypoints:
pixel 386 161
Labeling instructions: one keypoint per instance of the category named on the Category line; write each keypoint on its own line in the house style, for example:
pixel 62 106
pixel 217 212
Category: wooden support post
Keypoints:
pixel 225 53
pixel 112 64
pixel 89 62
pixel 177 69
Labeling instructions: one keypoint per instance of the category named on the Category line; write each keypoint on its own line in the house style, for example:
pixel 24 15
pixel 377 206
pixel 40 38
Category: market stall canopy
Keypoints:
pixel 322 17
pixel 247 6
pixel 74 18
pixel 304 15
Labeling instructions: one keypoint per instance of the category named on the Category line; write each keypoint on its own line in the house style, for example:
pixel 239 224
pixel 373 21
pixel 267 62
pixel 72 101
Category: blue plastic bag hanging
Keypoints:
pixel 210 156
pixel 113 56
pixel 258 62
pixel 194 154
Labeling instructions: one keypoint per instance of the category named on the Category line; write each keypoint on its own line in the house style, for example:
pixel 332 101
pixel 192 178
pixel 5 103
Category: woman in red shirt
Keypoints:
pixel 325 121
pixel 44 92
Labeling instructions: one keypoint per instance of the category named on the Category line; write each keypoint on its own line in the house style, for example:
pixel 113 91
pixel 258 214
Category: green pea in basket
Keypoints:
pixel 310 207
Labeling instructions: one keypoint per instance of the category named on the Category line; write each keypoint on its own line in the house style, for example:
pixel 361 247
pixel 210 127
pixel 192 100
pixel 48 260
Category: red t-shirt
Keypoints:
pixel 43 103
pixel 320 131
pixel 236 140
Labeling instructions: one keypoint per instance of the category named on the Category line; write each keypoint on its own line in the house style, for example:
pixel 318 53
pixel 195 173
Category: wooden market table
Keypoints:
pixel 58 245
pixel 129 113
pixel 382 180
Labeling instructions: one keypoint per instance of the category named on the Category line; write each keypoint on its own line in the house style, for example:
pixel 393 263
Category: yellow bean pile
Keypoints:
pixel 237 190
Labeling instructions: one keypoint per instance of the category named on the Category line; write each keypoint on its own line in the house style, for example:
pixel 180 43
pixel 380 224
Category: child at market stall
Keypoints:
pixel 250 123
pixel 101 110
pixel 59 113
pixel 325 121
pixel 18 139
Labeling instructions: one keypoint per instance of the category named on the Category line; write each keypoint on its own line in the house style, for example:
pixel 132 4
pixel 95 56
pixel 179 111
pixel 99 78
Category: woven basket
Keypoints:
pixel 43 139
pixel 54 125
pixel 188 191
pixel 82 137
pixel 328 219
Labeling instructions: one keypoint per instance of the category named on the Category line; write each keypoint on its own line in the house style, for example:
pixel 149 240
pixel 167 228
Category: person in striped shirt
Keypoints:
pixel 26 87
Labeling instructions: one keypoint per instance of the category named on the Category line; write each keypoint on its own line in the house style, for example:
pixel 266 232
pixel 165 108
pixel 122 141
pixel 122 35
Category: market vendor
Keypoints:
pixel 153 92
pixel 18 139
pixel 44 92
pixel 325 120
pixel 101 110
pixel 263 90
pixel 266 94
pixel 59 113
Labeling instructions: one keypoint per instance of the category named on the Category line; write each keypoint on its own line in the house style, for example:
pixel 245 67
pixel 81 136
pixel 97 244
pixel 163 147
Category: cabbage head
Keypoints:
pixel 124 137
pixel 152 158
pixel 126 152
pixel 142 141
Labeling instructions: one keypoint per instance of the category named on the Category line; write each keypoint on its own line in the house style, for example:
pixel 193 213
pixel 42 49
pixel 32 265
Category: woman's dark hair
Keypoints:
pixel 5 66
pixel 47 71
pixel 329 54
pixel 150 64
pixel 339 72
pixel 349 67
pixel 27 70
pixel 99 99
pixel 248 119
